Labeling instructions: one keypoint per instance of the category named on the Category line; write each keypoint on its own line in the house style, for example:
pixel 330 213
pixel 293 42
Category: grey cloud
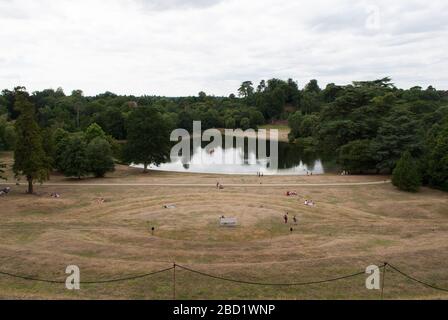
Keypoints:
pixel 181 47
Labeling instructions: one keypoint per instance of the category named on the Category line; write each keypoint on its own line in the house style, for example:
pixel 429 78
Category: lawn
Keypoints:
pixel 350 228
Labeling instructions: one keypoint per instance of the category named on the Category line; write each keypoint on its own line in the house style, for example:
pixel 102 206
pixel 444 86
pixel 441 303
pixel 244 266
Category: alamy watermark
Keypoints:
pixel 373 280
pixel 73 281
pixel 257 141
pixel 373 21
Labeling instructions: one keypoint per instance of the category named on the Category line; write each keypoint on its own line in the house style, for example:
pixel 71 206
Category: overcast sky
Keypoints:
pixel 180 47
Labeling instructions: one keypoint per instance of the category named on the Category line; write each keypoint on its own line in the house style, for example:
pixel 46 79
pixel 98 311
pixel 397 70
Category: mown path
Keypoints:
pixel 208 185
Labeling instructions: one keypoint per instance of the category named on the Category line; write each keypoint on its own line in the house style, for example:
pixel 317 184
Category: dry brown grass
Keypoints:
pixel 350 228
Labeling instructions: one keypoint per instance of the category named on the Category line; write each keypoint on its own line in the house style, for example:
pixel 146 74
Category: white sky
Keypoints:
pixel 180 47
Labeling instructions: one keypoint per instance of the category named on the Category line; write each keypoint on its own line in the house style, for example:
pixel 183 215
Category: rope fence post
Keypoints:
pixel 174 281
pixel 383 281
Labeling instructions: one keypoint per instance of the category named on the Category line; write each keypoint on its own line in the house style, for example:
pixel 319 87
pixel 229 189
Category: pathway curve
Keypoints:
pixel 208 185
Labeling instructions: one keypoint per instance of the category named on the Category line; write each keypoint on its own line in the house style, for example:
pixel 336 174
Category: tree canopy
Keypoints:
pixel 366 125
pixel 148 137
pixel 30 159
pixel 406 175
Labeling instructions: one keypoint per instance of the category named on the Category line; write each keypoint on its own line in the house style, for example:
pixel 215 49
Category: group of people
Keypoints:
pixel 286 218
pixel 5 191
pixel 260 174
pixel 310 203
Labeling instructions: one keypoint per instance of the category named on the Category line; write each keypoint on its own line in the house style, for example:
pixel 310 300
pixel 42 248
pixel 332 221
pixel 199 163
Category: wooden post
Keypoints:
pixel 174 281
pixel 383 280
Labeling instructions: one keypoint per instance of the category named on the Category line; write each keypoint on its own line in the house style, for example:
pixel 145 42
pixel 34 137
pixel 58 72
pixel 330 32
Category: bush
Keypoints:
pixel 99 155
pixel 73 161
pixel 406 174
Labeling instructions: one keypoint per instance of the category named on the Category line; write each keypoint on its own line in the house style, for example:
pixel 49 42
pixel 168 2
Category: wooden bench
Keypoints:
pixel 228 222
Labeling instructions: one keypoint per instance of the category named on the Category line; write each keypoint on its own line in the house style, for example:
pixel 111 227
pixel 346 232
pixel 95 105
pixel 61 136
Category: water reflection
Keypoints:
pixel 236 160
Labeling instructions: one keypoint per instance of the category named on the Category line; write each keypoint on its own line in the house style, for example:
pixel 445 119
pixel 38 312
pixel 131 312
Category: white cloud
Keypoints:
pixel 180 47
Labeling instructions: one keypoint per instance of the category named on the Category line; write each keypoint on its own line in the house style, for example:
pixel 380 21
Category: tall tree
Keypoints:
pixel 148 137
pixel 30 159
pixel 73 160
pixel 312 86
pixel 406 174
pixel 99 155
pixel 437 163
pixel 246 89
pixel 398 133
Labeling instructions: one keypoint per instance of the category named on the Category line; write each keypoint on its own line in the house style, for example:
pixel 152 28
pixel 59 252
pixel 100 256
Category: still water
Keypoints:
pixel 239 160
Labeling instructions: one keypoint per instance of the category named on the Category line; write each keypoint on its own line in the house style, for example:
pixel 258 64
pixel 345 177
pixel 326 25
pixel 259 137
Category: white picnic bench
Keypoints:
pixel 228 222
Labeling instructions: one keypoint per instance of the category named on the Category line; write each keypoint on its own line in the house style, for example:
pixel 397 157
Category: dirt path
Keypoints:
pixel 208 185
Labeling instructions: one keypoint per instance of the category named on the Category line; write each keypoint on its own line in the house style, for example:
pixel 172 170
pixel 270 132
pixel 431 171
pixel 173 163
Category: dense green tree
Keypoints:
pixel 357 156
pixel 308 125
pixel 406 174
pixel 436 166
pixel 398 133
pixel 335 134
pixel 30 159
pixel 245 123
pixel 331 91
pixel 230 122
pixel 94 131
pixel 312 86
pixel 112 121
pixel 310 103
pixel 74 161
pixel 59 140
pixel 246 89
pixel 99 155
pixel 295 123
pixel 256 118
pixel 148 135
pixel 8 135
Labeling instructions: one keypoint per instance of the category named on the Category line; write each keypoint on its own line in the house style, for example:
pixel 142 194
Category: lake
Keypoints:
pixel 291 161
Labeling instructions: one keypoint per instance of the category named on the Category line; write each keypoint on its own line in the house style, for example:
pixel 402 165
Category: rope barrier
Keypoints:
pixel 271 284
pixel 29 278
pixel 87 282
pixel 416 280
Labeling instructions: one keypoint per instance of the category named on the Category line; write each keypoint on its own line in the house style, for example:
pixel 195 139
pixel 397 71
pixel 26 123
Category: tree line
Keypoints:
pixel 373 126
pixel 368 126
